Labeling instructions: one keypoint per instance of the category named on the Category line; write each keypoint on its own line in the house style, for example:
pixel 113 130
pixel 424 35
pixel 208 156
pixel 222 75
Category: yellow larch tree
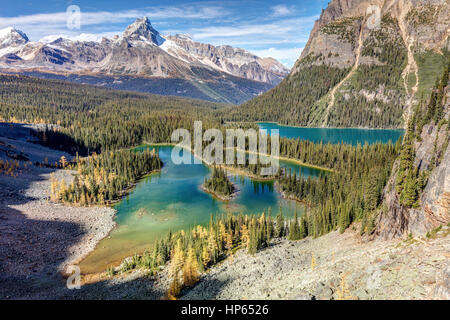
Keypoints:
pixel 190 269
pixel 245 236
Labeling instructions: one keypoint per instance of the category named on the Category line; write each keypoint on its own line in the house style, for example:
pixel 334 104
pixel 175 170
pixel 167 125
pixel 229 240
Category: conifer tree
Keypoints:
pixel 190 268
pixel 279 228
pixel 245 236
pixel 294 229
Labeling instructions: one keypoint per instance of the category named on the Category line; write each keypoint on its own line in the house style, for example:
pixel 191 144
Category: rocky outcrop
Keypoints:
pixel 396 220
pixel 142 30
pixel 374 62
pixel 428 25
pixel 333 40
pixel 11 37
pixel 235 61
pixel 345 268
pixel 334 35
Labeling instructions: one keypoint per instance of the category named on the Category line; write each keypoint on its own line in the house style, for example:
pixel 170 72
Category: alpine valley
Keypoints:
pixel 143 60
pixel 359 207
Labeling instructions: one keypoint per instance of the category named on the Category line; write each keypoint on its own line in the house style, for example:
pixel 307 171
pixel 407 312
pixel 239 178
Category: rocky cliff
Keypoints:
pixel 430 159
pixel 235 61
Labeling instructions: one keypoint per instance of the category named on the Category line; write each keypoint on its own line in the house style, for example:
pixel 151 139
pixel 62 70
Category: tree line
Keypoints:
pixel 101 179
pixel 351 193
pixel 88 119
pixel 189 253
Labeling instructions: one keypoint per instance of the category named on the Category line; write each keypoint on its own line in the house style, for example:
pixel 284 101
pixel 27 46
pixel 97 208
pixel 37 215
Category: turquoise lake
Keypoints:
pixel 335 135
pixel 172 200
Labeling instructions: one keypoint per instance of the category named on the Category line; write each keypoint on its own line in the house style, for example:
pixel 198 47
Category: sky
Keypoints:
pixel 278 29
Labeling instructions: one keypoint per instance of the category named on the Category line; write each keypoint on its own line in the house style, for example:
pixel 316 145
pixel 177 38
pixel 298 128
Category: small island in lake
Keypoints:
pixel 219 185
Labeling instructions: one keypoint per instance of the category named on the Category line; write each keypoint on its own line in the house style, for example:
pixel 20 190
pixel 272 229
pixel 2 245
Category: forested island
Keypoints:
pixel 219 185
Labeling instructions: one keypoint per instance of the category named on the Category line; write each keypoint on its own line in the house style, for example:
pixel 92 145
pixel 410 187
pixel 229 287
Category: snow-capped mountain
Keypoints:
pixel 235 61
pixel 142 52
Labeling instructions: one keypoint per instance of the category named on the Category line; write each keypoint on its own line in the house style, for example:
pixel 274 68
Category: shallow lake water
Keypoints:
pixel 172 200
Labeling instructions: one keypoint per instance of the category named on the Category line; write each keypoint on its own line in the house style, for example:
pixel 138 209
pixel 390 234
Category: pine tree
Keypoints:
pixel 54 188
pixel 303 228
pixel 205 256
pixel 63 190
pixel 279 228
pixel 313 262
pixel 228 242
pixel 409 195
pixel 177 259
pixel 63 162
pixel 294 229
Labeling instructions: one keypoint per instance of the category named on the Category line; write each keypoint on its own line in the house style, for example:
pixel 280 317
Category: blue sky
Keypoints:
pixel 279 29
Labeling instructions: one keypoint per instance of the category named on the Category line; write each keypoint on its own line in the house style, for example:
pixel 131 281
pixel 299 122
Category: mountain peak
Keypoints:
pixel 12 37
pixel 142 30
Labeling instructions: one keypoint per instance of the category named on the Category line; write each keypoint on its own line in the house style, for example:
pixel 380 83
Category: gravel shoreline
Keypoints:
pixel 345 267
pixel 40 239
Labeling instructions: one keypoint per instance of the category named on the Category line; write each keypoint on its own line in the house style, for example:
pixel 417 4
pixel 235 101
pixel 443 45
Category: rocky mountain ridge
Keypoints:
pixel 142 52
pixel 379 58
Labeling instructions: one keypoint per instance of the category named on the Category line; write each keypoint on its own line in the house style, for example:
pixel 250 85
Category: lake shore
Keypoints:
pixel 284 195
pixel 46 237
pixel 340 128
pixel 303 164
pixel 239 150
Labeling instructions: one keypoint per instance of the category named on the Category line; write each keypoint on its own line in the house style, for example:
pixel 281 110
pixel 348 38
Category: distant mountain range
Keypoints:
pixel 144 60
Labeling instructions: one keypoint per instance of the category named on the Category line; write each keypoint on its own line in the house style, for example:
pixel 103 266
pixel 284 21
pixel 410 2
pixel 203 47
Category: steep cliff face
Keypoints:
pixel 378 57
pixel 430 159
pixel 336 32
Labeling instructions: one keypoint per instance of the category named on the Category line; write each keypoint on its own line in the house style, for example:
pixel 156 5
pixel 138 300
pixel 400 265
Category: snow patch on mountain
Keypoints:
pixel 12 37
pixel 5 32
pixel 84 37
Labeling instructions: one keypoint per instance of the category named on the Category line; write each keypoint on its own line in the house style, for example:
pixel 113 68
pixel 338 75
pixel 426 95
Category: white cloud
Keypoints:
pixel 39 25
pixel 79 37
pixel 281 28
pixel 101 17
pixel 281 10
pixel 287 55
